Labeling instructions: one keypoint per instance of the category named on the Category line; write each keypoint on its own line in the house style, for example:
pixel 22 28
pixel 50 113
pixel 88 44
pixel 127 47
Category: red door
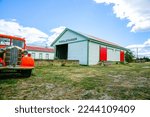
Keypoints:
pixel 103 54
pixel 121 56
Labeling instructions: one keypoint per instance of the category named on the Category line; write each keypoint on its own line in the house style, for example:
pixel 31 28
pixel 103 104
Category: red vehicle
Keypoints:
pixel 14 56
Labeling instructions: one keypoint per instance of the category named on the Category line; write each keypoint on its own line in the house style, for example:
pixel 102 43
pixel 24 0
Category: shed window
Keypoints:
pixel 40 56
pixel 33 55
pixel 47 56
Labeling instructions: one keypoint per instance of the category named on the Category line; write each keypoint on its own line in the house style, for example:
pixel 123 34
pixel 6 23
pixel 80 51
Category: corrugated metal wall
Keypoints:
pixel 78 51
pixel 93 53
pixel 113 54
pixel 99 52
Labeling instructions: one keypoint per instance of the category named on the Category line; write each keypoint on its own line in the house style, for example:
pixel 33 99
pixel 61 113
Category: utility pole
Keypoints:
pixel 137 52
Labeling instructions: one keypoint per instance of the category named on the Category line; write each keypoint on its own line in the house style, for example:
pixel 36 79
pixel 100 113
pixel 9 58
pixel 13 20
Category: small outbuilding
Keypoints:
pixel 89 50
pixel 41 53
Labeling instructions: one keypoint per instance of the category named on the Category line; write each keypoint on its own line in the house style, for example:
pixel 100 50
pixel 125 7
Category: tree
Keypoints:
pixel 129 56
pixel 146 59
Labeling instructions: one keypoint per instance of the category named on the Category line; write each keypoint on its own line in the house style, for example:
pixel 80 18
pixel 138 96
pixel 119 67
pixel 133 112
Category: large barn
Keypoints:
pixel 89 50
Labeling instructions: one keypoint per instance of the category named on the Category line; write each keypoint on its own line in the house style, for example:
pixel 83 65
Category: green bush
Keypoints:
pixel 129 56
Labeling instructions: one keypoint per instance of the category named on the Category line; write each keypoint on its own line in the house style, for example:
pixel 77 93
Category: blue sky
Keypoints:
pixel 96 17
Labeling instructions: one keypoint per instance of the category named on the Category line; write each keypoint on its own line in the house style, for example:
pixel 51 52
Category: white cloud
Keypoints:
pixel 142 49
pixel 136 11
pixel 56 32
pixel 138 14
pixel 32 35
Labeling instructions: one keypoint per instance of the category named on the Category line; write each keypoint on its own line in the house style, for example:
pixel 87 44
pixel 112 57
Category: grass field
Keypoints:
pixel 130 81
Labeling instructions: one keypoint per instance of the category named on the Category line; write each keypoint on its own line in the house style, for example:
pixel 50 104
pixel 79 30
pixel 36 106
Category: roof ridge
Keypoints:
pixel 89 37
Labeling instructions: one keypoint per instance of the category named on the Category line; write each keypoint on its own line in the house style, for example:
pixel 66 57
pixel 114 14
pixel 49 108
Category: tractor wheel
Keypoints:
pixel 26 73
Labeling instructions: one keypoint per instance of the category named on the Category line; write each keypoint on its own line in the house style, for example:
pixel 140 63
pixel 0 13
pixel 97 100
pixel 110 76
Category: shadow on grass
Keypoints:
pixel 6 76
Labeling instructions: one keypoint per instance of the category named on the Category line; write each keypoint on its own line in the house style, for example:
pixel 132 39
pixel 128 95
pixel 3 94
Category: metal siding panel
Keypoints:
pixel 103 46
pixel 113 54
pixel 78 51
pixel 51 56
pixel 117 55
pixel 110 55
pixel 93 53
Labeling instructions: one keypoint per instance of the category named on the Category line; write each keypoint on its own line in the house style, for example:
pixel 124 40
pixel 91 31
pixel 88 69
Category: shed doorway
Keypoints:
pixel 62 51
pixel 103 54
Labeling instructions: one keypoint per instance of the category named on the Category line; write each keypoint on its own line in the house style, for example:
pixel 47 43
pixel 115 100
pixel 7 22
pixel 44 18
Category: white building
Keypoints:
pixel 89 50
pixel 41 52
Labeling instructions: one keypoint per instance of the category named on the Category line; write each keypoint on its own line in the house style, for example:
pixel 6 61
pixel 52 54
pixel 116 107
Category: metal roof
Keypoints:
pixel 89 37
pixel 41 49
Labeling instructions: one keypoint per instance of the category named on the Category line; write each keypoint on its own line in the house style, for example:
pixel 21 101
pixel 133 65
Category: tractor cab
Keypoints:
pixel 14 56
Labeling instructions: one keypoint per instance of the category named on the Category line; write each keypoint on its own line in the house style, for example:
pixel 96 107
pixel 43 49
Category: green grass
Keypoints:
pixel 129 81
